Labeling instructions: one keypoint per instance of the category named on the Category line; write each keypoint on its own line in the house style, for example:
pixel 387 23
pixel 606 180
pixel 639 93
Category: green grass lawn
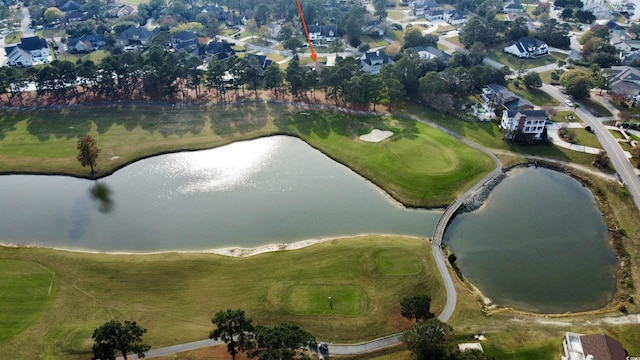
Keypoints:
pixel 50 33
pixel 95 56
pixel 13 37
pixel 595 108
pixel 24 295
pixel 565 116
pixel 175 295
pixel 488 134
pixel 374 42
pixel 535 96
pixel 585 138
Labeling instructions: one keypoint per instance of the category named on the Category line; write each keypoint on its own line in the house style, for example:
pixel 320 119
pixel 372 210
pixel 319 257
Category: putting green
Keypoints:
pixel 398 262
pixel 334 299
pixel 24 294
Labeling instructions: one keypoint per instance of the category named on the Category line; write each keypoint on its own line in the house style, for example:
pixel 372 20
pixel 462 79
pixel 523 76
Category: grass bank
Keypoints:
pixel 418 165
pixel 175 295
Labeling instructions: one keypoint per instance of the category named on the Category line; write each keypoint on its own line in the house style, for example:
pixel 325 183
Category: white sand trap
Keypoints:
pixel 376 135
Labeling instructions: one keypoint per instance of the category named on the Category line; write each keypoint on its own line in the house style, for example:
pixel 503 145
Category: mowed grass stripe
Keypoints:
pixel 24 294
pixel 175 295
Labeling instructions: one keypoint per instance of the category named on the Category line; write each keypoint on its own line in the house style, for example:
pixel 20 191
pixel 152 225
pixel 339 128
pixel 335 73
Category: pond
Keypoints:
pixel 270 190
pixel 538 243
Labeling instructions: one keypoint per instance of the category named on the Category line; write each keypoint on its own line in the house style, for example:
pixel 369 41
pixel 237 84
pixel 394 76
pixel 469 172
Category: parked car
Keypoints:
pixel 569 103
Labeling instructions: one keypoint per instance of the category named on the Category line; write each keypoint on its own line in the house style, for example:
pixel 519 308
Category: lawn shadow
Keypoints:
pixel 8 123
pixel 44 125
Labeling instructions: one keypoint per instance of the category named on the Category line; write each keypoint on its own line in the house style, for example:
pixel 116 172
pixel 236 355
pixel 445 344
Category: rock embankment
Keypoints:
pixel 478 198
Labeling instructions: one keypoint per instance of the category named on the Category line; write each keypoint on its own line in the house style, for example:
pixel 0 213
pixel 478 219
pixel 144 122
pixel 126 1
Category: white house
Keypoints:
pixel 527 122
pixel 431 52
pixel 456 17
pixel 433 15
pixel 594 347
pixel 30 51
pixel 600 11
pixel 323 32
pixel 373 61
pixel 419 7
pixel 527 48
pixel 513 6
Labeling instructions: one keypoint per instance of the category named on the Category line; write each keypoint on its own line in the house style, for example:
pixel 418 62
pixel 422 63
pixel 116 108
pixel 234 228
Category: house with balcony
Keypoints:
pixel 504 98
pixel 527 123
pixel 527 48
pixel 323 32
pixel 591 347
pixel 29 51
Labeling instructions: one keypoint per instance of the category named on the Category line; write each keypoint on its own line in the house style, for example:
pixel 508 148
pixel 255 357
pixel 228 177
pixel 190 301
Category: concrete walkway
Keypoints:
pixel 552 133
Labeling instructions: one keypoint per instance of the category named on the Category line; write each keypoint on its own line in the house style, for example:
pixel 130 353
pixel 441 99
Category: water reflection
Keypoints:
pixel 101 194
pixel 269 190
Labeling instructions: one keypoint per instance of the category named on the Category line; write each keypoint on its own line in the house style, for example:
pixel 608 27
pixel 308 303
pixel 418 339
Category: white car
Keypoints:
pixel 569 103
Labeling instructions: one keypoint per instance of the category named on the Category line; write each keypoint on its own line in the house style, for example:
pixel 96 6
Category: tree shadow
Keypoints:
pixel 8 123
pixel 44 125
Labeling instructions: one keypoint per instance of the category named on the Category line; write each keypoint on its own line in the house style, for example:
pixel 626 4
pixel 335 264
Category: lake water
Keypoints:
pixel 271 190
pixel 538 243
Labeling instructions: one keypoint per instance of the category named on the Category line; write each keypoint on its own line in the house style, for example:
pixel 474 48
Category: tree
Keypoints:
pixel 88 151
pixel 477 29
pixel 114 337
pixel 381 9
pixel 567 13
pixel 532 80
pixel 517 28
pixel 576 83
pixel 416 307
pixel 427 340
pixel 280 342
pixel 53 15
pixel 635 155
pixel 232 327
pixel 251 26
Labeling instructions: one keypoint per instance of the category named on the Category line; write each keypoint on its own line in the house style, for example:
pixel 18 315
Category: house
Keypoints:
pixel 431 52
pixel 594 347
pixel 29 51
pixel 86 43
pixel 219 49
pixel 323 32
pixel 513 6
pixel 75 16
pixel 456 17
pixel 527 122
pixel 609 23
pixel 503 97
pixel 136 36
pixel 434 15
pixel 600 11
pixel 217 10
pixel 262 60
pixel 527 48
pixel 184 41
pixel 69 6
pixel 419 7
pixel 373 61
pixel 373 28
pixel 624 80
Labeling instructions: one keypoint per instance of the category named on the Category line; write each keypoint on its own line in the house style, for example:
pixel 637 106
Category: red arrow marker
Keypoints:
pixel 306 32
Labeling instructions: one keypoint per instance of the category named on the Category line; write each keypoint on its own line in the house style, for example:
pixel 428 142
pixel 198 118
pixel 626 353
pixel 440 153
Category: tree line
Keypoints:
pixel 160 75
pixel 428 339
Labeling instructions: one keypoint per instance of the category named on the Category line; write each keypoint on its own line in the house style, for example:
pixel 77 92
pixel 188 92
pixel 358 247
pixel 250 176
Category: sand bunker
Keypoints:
pixel 376 135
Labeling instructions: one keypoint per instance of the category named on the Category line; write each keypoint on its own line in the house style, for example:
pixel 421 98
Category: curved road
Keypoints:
pixel 618 157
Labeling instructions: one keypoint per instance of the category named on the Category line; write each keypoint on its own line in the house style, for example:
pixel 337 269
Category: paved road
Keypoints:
pixel 609 143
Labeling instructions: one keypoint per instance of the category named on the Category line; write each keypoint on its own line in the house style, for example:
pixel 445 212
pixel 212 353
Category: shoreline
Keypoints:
pixel 230 251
